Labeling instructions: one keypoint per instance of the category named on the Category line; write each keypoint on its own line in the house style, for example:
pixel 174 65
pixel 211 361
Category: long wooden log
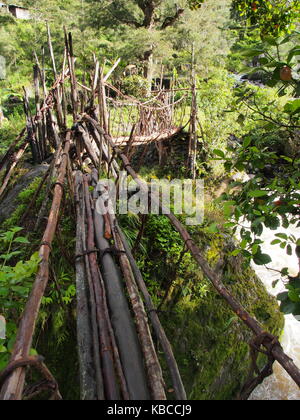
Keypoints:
pixel 53 171
pixel 139 140
pixel 89 146
pixel 13 388
pixel 275 349
pixel 122 323
pixel 110 383
pixel 152 313
pixel 38 122
pixel 91 382
pixel 153 368
pixel 117 359
pixel 31 131
pixel 57 92
pixel 71 62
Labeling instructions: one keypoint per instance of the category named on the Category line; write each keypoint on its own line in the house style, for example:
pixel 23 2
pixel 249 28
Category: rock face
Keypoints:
pixel 210 343
pixel 10 201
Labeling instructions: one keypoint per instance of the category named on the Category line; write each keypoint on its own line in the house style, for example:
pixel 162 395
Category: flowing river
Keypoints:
pixel 280 386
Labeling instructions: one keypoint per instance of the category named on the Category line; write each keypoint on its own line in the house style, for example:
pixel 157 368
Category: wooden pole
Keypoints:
pixel 155 378
pixel 159 331
pixel 91 382
pixel 13 387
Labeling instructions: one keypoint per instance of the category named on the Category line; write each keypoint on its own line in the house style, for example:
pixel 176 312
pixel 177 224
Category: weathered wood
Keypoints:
pixel 53 170
pixel 152 313
pixel 88 145
pixel 110 72
pixel 139 140
pixel 126 337
pixel 109 378
pixel 51 51
pixel 39 124
pixel 153 368
pixel 71 62
pixel 87 336
pixel 31 131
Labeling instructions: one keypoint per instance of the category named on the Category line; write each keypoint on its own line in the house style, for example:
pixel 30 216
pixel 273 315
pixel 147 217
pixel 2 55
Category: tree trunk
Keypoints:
pixel 148 67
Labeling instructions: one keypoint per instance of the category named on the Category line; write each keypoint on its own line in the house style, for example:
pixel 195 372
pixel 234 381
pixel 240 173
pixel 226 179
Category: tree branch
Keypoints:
pixel 170 20
pixel 127 21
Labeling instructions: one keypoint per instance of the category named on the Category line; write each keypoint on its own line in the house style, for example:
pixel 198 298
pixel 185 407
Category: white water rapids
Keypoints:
pixel 280 386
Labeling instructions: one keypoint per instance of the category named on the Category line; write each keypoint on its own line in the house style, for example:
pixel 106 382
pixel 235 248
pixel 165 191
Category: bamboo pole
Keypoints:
pixel 13 387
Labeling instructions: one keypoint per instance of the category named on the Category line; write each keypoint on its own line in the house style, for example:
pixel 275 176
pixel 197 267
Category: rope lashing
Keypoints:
pixel 110 250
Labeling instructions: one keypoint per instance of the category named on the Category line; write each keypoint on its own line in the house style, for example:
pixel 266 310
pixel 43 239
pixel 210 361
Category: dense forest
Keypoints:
pixel 137 305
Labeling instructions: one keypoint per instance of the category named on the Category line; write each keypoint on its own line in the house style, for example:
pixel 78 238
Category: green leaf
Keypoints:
pixel 213 228
pixel 294 295
pixel 3 349
pixel 219 153
pixel 285 272
pixel 229 225
pixel 276 242
pixel 288 307
pixel 292 107
pixel 253 52
pixel 21 240
pixel 247 142
pixel 282 296
pixel 282 236
pixel 236 252
pixel 16 229
pixel 294 52
pixel 255 249
pixel 262 259
pixel 257 193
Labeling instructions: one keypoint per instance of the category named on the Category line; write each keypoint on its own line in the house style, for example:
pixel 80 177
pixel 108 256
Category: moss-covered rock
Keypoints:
pixel 210 343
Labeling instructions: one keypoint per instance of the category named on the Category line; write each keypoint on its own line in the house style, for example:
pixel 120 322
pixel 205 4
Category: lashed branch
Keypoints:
pixel 13 388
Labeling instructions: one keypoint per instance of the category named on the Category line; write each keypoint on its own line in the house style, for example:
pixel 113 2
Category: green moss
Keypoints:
pixel 209 341
pixel 24 199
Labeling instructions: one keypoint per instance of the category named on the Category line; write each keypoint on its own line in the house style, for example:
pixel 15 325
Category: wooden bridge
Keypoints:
pixel 116 317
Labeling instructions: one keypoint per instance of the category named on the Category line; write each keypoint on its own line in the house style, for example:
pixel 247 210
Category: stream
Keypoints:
pixel 280 386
